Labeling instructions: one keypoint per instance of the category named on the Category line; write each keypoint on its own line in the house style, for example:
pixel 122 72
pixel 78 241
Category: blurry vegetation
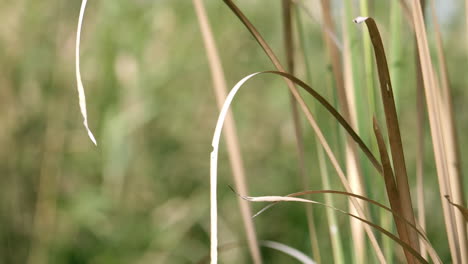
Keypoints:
pixel 142 195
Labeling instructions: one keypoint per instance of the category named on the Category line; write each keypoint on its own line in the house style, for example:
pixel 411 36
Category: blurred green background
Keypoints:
pixel 142 195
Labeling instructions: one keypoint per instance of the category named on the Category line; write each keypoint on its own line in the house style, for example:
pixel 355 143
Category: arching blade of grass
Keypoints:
pixel 433 105
pixel 290 251
pixel 81 92
pixel 393 128
pixel 380 229
pixel 220 89
pixel 315 127
pixel 294 253
pixel 287 8
pixel 451 142
pixel 434 256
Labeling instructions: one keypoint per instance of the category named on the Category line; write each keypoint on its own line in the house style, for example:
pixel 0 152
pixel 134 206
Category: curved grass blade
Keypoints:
pixel 294 253
pixel 280 68
pixel 294 199
pixel 237 166
pixel 80 88
pixel 320 136
pixel 435 257
pixel 298 255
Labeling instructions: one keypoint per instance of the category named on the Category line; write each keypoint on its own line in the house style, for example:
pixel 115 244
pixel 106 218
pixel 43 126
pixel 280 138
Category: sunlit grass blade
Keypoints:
pixel 393 128
pixel 80 88
pixel 220 89
pixel 315 127
pixel 294 253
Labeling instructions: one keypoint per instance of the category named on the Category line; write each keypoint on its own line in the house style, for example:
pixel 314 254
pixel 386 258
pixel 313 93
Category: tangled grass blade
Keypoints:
pixel 81 93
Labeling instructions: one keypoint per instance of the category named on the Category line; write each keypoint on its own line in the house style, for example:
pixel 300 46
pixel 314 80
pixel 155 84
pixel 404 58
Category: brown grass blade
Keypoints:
pixel 369 223
pixel 392 126
pixel 392 189
pixel 234 153
pixel 289 50
pixel 433 104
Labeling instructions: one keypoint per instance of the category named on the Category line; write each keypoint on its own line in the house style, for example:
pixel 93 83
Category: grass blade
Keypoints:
pixel 294 199
pixel 80 88
pixel 433 105
pixel 451 141
pixel 298 255
pixel 312 122
pixel 392 125
pixel 417 228
pixel 220 89
pixel 287 7
pixel 392 189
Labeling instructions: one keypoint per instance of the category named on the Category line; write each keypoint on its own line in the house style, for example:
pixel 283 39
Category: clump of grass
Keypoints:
pixel 393 167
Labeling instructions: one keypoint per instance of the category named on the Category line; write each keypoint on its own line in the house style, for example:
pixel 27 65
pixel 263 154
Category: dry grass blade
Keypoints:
pixel 81 92
pixel 420 146
pixel 294 199
pixel 435 257
pixel 289 50
pixel 450 137
pixel 392 189
pixel 393 128
pixel 434 112
pixel 220 89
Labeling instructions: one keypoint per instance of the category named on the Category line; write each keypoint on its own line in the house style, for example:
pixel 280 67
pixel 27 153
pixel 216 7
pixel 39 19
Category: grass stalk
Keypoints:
pixel 435 123
pixel 287 7
pixel 420 147
pixel 357 116
pixel 352 166
pixel 451 142
pixel 234 153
